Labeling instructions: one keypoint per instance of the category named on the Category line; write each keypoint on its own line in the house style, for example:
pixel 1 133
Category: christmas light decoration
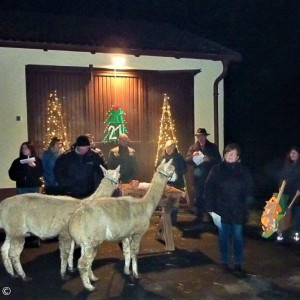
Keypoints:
pixel 115 124
pixel 167 129
pixel 55 125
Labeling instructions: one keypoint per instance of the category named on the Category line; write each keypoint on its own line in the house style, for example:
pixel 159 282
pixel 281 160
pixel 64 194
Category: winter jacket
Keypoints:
pixel 24 175
pixel 228 190
pixel 78 175
pixel 201 171
pixel 180 168
pixel 124 156
pixel 48 159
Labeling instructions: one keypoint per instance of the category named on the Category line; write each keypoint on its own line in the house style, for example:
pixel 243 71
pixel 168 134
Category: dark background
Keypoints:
pixel 261 93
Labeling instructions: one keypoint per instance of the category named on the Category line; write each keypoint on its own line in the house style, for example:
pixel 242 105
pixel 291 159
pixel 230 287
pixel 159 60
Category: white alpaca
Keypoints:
pixel 114 219
pixel 45 216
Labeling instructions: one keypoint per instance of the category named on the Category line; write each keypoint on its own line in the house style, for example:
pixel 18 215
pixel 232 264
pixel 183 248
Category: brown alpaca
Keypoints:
pixel 123 219
pixel 45 216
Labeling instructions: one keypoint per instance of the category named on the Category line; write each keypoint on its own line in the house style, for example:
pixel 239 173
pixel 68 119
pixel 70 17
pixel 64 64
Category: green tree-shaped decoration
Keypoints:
pixel 115 124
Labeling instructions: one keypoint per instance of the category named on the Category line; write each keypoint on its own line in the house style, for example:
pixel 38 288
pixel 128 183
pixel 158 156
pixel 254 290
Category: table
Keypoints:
pixel 169 200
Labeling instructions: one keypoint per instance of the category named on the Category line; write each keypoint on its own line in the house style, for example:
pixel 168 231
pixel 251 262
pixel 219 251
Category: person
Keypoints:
pixel 291 173
pixel 208 155
pixel 125 157
pixel 177 180
pixel 228 193
pixel 48 159
pixel 27 174
pixel 93 146
pixel 78 171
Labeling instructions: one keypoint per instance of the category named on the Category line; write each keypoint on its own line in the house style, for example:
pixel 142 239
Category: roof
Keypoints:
pixel 90 34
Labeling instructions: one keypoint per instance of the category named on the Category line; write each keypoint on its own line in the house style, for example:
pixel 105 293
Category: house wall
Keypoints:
pixel 13 91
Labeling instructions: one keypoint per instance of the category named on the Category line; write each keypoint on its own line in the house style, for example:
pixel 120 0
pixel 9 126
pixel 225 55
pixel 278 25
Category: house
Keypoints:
pixel 40 53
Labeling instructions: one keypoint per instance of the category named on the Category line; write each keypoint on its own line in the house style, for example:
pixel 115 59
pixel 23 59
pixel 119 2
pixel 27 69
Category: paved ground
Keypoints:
pixel 190 272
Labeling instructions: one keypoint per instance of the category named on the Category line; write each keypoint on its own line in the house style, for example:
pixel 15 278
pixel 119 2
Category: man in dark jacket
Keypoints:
pixel 124 156
pixel 78 171
pixel 202 156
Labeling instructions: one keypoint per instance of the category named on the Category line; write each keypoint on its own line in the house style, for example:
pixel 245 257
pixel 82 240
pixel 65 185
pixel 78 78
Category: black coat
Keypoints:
pixel 78 175
pixel 180 168
pixel 291 173
pixel 125 157
pixel 228 190
pixel 24 175
pixel 201 171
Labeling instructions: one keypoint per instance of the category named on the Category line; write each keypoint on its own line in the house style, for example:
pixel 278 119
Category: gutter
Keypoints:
pixel 216 99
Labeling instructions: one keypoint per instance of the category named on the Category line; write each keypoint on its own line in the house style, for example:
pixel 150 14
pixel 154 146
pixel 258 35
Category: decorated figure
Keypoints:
pixel 115 124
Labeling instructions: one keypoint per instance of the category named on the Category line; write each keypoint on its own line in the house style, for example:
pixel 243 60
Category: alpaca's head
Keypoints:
pixel 166 169
pixel 112 175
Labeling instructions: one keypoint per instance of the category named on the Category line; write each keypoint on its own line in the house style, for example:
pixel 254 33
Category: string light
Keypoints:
pixel 55 124
pixel 167 129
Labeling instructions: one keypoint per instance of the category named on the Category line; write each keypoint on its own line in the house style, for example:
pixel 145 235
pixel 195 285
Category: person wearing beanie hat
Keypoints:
pixel 201 156
pixel 82 141
pixel 78 171
pixel 48 159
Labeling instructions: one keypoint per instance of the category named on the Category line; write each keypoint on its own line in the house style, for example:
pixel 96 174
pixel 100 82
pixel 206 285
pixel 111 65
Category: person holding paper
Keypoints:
pixel 228 192
pixel 26 170
pixel 179 163
pixel 201 156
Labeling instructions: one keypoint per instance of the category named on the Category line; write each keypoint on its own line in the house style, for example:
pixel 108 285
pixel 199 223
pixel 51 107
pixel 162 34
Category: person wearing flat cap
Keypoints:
pixel 78 171
pixel 202 156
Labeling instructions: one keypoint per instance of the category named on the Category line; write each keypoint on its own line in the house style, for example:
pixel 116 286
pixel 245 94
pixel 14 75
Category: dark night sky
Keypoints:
pixel 261 94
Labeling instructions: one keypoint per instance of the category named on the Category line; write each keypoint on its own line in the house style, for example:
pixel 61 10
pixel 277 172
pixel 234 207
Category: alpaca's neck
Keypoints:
pixel 105 189
pixel 155 192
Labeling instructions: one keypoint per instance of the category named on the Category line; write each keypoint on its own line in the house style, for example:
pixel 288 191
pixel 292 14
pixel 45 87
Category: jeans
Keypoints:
pixel 199 200
pixel 27 190
pixel 231 234
pixel 296 217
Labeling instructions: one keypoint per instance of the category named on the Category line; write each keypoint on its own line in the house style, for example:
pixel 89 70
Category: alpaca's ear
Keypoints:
pixel 169 162
pixel 163 161
pixel 103 170
pixel 118 168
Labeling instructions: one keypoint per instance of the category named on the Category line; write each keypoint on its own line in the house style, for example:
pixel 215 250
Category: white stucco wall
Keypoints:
pixel 13 91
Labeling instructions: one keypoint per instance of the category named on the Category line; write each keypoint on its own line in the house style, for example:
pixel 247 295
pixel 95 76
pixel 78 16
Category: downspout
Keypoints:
pixel 216 99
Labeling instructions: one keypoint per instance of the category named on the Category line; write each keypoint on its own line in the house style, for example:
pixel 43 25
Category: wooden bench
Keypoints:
pixel 169 200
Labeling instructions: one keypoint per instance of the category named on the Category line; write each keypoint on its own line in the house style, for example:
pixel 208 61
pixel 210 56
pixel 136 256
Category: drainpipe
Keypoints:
pixel 216 99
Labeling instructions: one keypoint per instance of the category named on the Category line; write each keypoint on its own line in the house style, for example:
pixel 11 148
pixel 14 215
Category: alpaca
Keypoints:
pixel 114 219
pixel 45 216
pixel 105 189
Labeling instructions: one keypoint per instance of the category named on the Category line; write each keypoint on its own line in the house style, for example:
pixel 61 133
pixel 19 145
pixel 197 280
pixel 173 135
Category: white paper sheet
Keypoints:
pixel 216 219
pixel 198 159
pixel 27 160
pixel 173 178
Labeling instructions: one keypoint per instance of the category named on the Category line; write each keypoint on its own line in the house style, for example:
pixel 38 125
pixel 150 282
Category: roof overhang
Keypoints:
pixel 136 52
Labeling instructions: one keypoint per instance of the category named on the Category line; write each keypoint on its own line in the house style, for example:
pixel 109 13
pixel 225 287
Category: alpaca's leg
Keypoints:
pixel 65 242
pixel 6 260
pixel 135 246
pixel 16 247
pixel 91 274
pixel 71 257
pixel 85 263
pixel 127 255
